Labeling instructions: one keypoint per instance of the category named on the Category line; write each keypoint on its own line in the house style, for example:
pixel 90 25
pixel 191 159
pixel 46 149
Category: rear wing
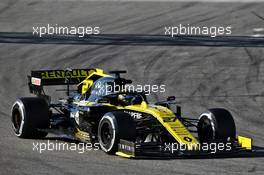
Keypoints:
pixel 41 78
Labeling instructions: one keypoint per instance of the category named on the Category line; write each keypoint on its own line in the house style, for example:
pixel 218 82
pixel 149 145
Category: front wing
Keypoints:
pixel 130 149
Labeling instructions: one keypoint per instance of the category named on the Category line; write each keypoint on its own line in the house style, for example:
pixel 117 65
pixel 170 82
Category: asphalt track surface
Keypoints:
pixel 200 77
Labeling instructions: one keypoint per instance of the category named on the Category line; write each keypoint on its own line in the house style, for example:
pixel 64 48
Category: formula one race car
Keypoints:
pixel 121 121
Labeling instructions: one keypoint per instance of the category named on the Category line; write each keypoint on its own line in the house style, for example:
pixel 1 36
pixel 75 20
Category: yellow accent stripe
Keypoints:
pixel 166 118
pixel 245 142
pixel 121 154
pixel 98 72
pixel 82 135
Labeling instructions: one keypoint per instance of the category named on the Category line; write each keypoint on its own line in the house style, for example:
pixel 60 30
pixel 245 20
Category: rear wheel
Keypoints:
pixel 29 115
pixel 216 125
pixel 114 126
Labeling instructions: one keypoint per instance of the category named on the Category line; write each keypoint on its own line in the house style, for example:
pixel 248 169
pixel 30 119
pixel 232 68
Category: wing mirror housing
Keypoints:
pixel 171 98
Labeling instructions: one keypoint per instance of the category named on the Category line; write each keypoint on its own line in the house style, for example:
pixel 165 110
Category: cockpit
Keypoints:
pixel 113 90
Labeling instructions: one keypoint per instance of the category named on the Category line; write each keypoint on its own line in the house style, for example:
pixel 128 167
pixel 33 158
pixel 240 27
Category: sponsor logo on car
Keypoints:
pixel 36 81
pixel 135 115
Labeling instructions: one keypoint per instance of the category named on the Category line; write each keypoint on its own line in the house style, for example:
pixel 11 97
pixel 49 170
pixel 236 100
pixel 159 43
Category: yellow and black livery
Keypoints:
pixel 122 122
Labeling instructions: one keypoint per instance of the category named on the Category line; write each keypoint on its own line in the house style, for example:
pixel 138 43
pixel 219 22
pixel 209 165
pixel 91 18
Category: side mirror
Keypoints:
pixel 171 98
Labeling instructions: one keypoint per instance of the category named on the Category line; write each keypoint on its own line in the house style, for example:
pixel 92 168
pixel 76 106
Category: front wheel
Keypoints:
pixel 114 126
pixel 216 125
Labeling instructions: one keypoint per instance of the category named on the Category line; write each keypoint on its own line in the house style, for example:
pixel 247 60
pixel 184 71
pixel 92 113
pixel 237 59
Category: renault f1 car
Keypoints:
pixel 122 122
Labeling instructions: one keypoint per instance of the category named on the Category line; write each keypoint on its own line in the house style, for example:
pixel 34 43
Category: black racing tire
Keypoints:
pixel 114 126
pixel 28 115
pixel 216 125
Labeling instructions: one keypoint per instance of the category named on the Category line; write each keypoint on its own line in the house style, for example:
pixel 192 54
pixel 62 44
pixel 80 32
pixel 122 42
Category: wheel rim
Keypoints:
pixel 205 130
pixel 17 119
pixel 106 134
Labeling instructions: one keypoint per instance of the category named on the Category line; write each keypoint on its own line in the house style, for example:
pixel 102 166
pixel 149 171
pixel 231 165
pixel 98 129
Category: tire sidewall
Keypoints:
pixel 222 123
pixel 110 119
pixel 34 114
pixel 212 120
pixel 18 105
